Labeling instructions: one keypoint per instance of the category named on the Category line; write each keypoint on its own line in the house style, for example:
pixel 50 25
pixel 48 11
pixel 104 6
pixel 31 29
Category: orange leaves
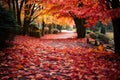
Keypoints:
pixel 19 66
pixel 39 76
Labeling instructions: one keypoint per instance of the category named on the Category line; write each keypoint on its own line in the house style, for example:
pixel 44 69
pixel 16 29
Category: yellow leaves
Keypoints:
pixel 100 48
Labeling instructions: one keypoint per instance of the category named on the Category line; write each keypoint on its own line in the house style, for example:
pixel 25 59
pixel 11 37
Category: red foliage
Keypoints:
pixel 95 9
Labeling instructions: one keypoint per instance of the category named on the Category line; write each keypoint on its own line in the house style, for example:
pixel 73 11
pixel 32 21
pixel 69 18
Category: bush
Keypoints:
pixel 55 31
pixel 36 33
pixel 46 30
pixel 7 28
pixel 18 30
pixel 103 38
pixel 103 30
pixel 93 35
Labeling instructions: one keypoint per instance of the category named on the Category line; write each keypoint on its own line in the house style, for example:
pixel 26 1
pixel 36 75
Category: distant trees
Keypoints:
pixel 25 12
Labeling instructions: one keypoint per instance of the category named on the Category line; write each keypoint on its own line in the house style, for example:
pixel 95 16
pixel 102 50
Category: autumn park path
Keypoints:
pixel 56 57
pixel 63 35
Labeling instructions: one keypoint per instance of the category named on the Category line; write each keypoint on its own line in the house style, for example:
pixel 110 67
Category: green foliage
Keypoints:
pixel 103 38
pixel 36 33
pixel 93 35
pixel 7 27
pixel 98 36
pixel 33 27
pixel 18 30
pixel 103 30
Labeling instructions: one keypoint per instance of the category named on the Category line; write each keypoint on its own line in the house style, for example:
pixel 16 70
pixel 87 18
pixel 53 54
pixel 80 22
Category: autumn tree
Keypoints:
pixel 92 11
pixel 25 11
pixel 31 12
pixel 114 7
pixel 84 12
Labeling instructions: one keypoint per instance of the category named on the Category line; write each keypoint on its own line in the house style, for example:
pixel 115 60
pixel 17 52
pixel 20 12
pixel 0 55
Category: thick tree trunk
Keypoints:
pixel 80 28
pixel 18 13
pixel 26 26
pixel 116 24
pixel 26 19
pixel 14 9
pixel 9 4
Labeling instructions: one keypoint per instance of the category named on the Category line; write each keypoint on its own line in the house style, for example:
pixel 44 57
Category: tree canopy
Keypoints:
pixel 93 10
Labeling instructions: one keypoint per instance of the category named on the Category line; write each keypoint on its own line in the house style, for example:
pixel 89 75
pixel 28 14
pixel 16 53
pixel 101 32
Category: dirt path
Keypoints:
pixel 62 35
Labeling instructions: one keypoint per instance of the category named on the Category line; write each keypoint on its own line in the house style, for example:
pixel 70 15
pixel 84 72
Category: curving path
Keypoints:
pixel 63 35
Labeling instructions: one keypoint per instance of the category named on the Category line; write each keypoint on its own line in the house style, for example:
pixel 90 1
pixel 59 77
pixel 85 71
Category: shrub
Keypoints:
pixel 36 33
pixel 103 38
pixel 46 30
pixel 93 35
pixel 7 28
pixel 18 30
pixel 103 30
pixel 55 31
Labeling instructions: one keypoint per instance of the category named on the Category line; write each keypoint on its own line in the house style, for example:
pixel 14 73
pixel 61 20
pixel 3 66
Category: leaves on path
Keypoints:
pixel 59 59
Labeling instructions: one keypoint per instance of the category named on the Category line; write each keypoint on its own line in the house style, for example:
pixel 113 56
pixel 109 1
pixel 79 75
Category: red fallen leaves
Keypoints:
pixel 37 61
pixel 72 59
pixel 38 76
pixel 53 58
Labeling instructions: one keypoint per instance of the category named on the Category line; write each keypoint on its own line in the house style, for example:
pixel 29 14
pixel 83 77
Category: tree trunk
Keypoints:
pixel 9 4
pixel 18 13
pixel 26 18
pixel 116 25
pixel 26 26
pixel 43 28
pixel 80 28
pixel 14 9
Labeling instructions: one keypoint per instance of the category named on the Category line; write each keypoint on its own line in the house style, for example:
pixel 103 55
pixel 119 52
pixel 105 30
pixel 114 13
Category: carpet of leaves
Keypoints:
pixel 58 59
